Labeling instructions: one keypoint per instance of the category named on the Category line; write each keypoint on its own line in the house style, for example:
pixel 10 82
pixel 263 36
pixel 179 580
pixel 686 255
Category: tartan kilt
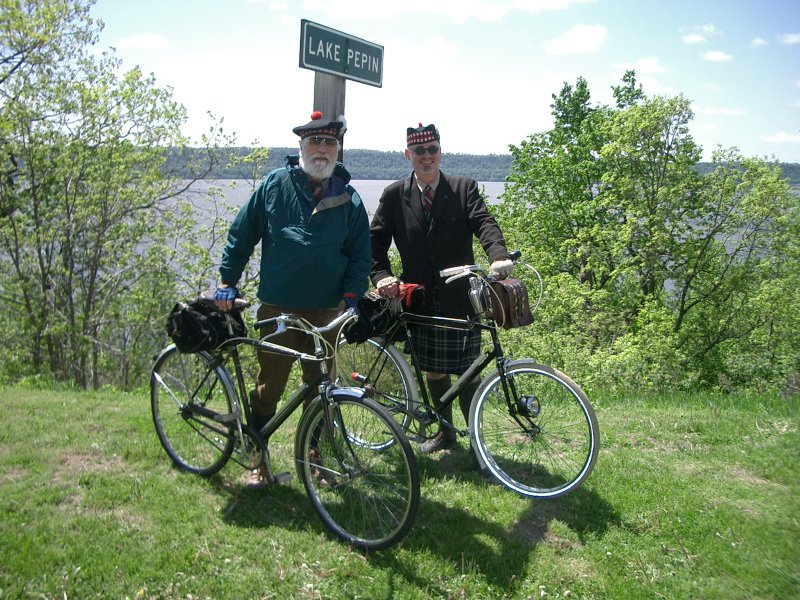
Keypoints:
pixel 444 350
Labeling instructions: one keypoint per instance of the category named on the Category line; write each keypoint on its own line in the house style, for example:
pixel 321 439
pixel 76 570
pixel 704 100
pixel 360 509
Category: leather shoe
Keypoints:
pixel 441 441
pixel 257 479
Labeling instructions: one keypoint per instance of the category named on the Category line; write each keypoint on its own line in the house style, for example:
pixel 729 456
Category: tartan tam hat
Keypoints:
pixel 320 126
pixel 422 135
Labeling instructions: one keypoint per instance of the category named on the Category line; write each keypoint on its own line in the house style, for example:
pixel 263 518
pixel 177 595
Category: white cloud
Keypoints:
pixel 713 87
pixel 795 104
pixel 278 6
pixel 147 41
pixel 726 112
pixel 789 39
pixel 536 6
pixel 646 69
pixel 716 56
pixel 458 11
pixel 758 42
pixel 693 38
pixel 782 138
pixel 581 39
pixel 699 34
pixel 643 65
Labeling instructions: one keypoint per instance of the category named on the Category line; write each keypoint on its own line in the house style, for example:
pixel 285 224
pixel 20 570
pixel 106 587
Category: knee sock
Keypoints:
pixel 258 421
pixel 437 388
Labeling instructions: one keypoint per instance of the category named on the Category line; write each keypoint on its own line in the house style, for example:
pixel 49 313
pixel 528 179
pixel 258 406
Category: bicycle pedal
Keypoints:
pixel 282 477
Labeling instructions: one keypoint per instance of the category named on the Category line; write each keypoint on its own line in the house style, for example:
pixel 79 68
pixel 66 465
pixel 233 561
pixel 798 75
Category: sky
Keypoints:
pixel 483 71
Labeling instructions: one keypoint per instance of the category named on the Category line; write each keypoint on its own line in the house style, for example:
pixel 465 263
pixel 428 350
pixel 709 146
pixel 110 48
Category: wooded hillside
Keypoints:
pixel 377 164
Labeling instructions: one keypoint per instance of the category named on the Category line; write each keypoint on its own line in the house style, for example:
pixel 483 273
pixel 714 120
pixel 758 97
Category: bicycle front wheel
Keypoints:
pixel 365 492
pixel 189 398
pixel 546 443
pixel 388 378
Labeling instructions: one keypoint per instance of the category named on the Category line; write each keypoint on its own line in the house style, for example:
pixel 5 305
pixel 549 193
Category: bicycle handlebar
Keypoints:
pixel 453 273
pixel 299 322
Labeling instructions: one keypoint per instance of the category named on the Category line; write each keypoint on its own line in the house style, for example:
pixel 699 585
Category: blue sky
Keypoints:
pixel 483 71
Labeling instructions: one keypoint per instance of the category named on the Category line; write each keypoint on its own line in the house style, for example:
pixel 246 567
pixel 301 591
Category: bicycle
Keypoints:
pixel 365 492
pixel 530 426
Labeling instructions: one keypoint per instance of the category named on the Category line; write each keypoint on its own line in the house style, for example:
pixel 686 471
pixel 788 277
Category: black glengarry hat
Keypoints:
pixel 319 126
pixel 422 135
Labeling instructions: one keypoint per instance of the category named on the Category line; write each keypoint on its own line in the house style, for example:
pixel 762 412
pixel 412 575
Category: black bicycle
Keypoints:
pixel 355 462
pixel 530 426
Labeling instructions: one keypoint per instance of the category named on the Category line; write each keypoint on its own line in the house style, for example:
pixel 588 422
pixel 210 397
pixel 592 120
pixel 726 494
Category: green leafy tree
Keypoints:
pixel 87 204
pixel 657 276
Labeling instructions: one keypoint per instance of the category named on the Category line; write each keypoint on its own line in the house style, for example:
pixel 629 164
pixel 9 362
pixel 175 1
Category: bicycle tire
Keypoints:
pixel 555 451
pixel 180 382
pixel 389 379
pixel 366 496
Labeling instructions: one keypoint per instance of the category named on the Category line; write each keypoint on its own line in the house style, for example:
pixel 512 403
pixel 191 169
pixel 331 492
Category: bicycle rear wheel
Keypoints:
pixel 548 446
pixel 186 392
pixel 389 380
pixel 366 493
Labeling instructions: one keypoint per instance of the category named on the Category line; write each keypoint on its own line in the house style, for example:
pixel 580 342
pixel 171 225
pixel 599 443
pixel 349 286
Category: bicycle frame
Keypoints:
pixel 484 359
pixel 322 384
pixel 354 461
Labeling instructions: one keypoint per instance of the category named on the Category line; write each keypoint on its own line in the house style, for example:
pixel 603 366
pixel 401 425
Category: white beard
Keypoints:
pixel 323 171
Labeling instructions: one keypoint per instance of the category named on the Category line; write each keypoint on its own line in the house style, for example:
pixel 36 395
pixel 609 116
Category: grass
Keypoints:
pixel 692 497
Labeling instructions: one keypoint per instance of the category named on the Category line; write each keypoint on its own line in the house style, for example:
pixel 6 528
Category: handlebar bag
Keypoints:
pixel 377 315
pixel 195 326
pixel 510 305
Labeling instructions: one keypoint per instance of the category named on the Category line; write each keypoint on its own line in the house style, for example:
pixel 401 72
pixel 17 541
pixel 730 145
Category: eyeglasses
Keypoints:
pixel 421 151
pixel 316 140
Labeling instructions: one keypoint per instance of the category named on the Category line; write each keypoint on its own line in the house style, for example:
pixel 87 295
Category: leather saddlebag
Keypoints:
pixel 510 306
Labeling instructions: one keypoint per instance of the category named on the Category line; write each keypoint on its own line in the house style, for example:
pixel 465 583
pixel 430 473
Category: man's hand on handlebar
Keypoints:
pixel 224 297
pixel 501 269
pixel 388 287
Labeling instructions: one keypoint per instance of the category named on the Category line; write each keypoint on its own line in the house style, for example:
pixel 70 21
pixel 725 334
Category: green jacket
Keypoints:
pixel 311 253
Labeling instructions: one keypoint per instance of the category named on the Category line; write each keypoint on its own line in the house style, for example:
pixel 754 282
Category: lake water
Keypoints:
pixel 238 191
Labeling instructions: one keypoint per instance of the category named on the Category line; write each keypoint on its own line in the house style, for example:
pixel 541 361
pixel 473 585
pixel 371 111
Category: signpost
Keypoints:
pixel 337 56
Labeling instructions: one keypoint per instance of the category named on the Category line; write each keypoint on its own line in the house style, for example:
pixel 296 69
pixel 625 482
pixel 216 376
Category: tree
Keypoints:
pixel 658 275
pixel 86 200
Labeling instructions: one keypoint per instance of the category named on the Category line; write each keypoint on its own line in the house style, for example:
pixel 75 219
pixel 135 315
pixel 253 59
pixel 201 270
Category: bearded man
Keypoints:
pixel 315 255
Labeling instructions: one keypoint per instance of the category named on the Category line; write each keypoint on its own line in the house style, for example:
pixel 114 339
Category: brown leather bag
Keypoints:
pixel 510 306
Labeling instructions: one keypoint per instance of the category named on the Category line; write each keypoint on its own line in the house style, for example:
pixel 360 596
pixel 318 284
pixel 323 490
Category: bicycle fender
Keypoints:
pixel 358 393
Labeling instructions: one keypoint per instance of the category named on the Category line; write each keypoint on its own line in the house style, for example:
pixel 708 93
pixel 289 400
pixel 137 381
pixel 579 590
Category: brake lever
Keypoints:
pixel 463 273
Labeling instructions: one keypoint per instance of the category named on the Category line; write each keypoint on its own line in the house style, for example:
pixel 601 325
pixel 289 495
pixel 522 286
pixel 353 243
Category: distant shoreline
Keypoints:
pixel 392 165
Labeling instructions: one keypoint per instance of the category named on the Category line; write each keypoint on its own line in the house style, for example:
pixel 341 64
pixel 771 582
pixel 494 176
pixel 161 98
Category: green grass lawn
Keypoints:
pixel 691 497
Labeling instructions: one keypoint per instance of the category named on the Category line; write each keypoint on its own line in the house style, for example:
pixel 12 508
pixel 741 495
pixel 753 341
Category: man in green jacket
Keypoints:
pixel 315 254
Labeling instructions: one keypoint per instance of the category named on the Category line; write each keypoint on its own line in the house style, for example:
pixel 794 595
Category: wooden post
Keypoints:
pixel 329 99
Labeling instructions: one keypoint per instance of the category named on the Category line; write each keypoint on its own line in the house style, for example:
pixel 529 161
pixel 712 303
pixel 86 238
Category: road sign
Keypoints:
pixel 336 53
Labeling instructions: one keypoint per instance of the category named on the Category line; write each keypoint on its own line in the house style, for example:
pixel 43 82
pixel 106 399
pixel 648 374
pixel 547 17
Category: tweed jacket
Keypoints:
pixel 428 246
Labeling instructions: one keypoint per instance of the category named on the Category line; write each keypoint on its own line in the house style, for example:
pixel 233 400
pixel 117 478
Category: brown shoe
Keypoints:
pixel 323 477
pixel 441 441
pixel 258 479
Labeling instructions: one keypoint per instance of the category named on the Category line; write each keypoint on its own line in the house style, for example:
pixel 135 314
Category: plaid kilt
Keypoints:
pixel 444 350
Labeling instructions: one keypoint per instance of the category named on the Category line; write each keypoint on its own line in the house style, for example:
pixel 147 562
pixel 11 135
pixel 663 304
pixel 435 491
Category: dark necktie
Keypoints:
pixel 427 199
